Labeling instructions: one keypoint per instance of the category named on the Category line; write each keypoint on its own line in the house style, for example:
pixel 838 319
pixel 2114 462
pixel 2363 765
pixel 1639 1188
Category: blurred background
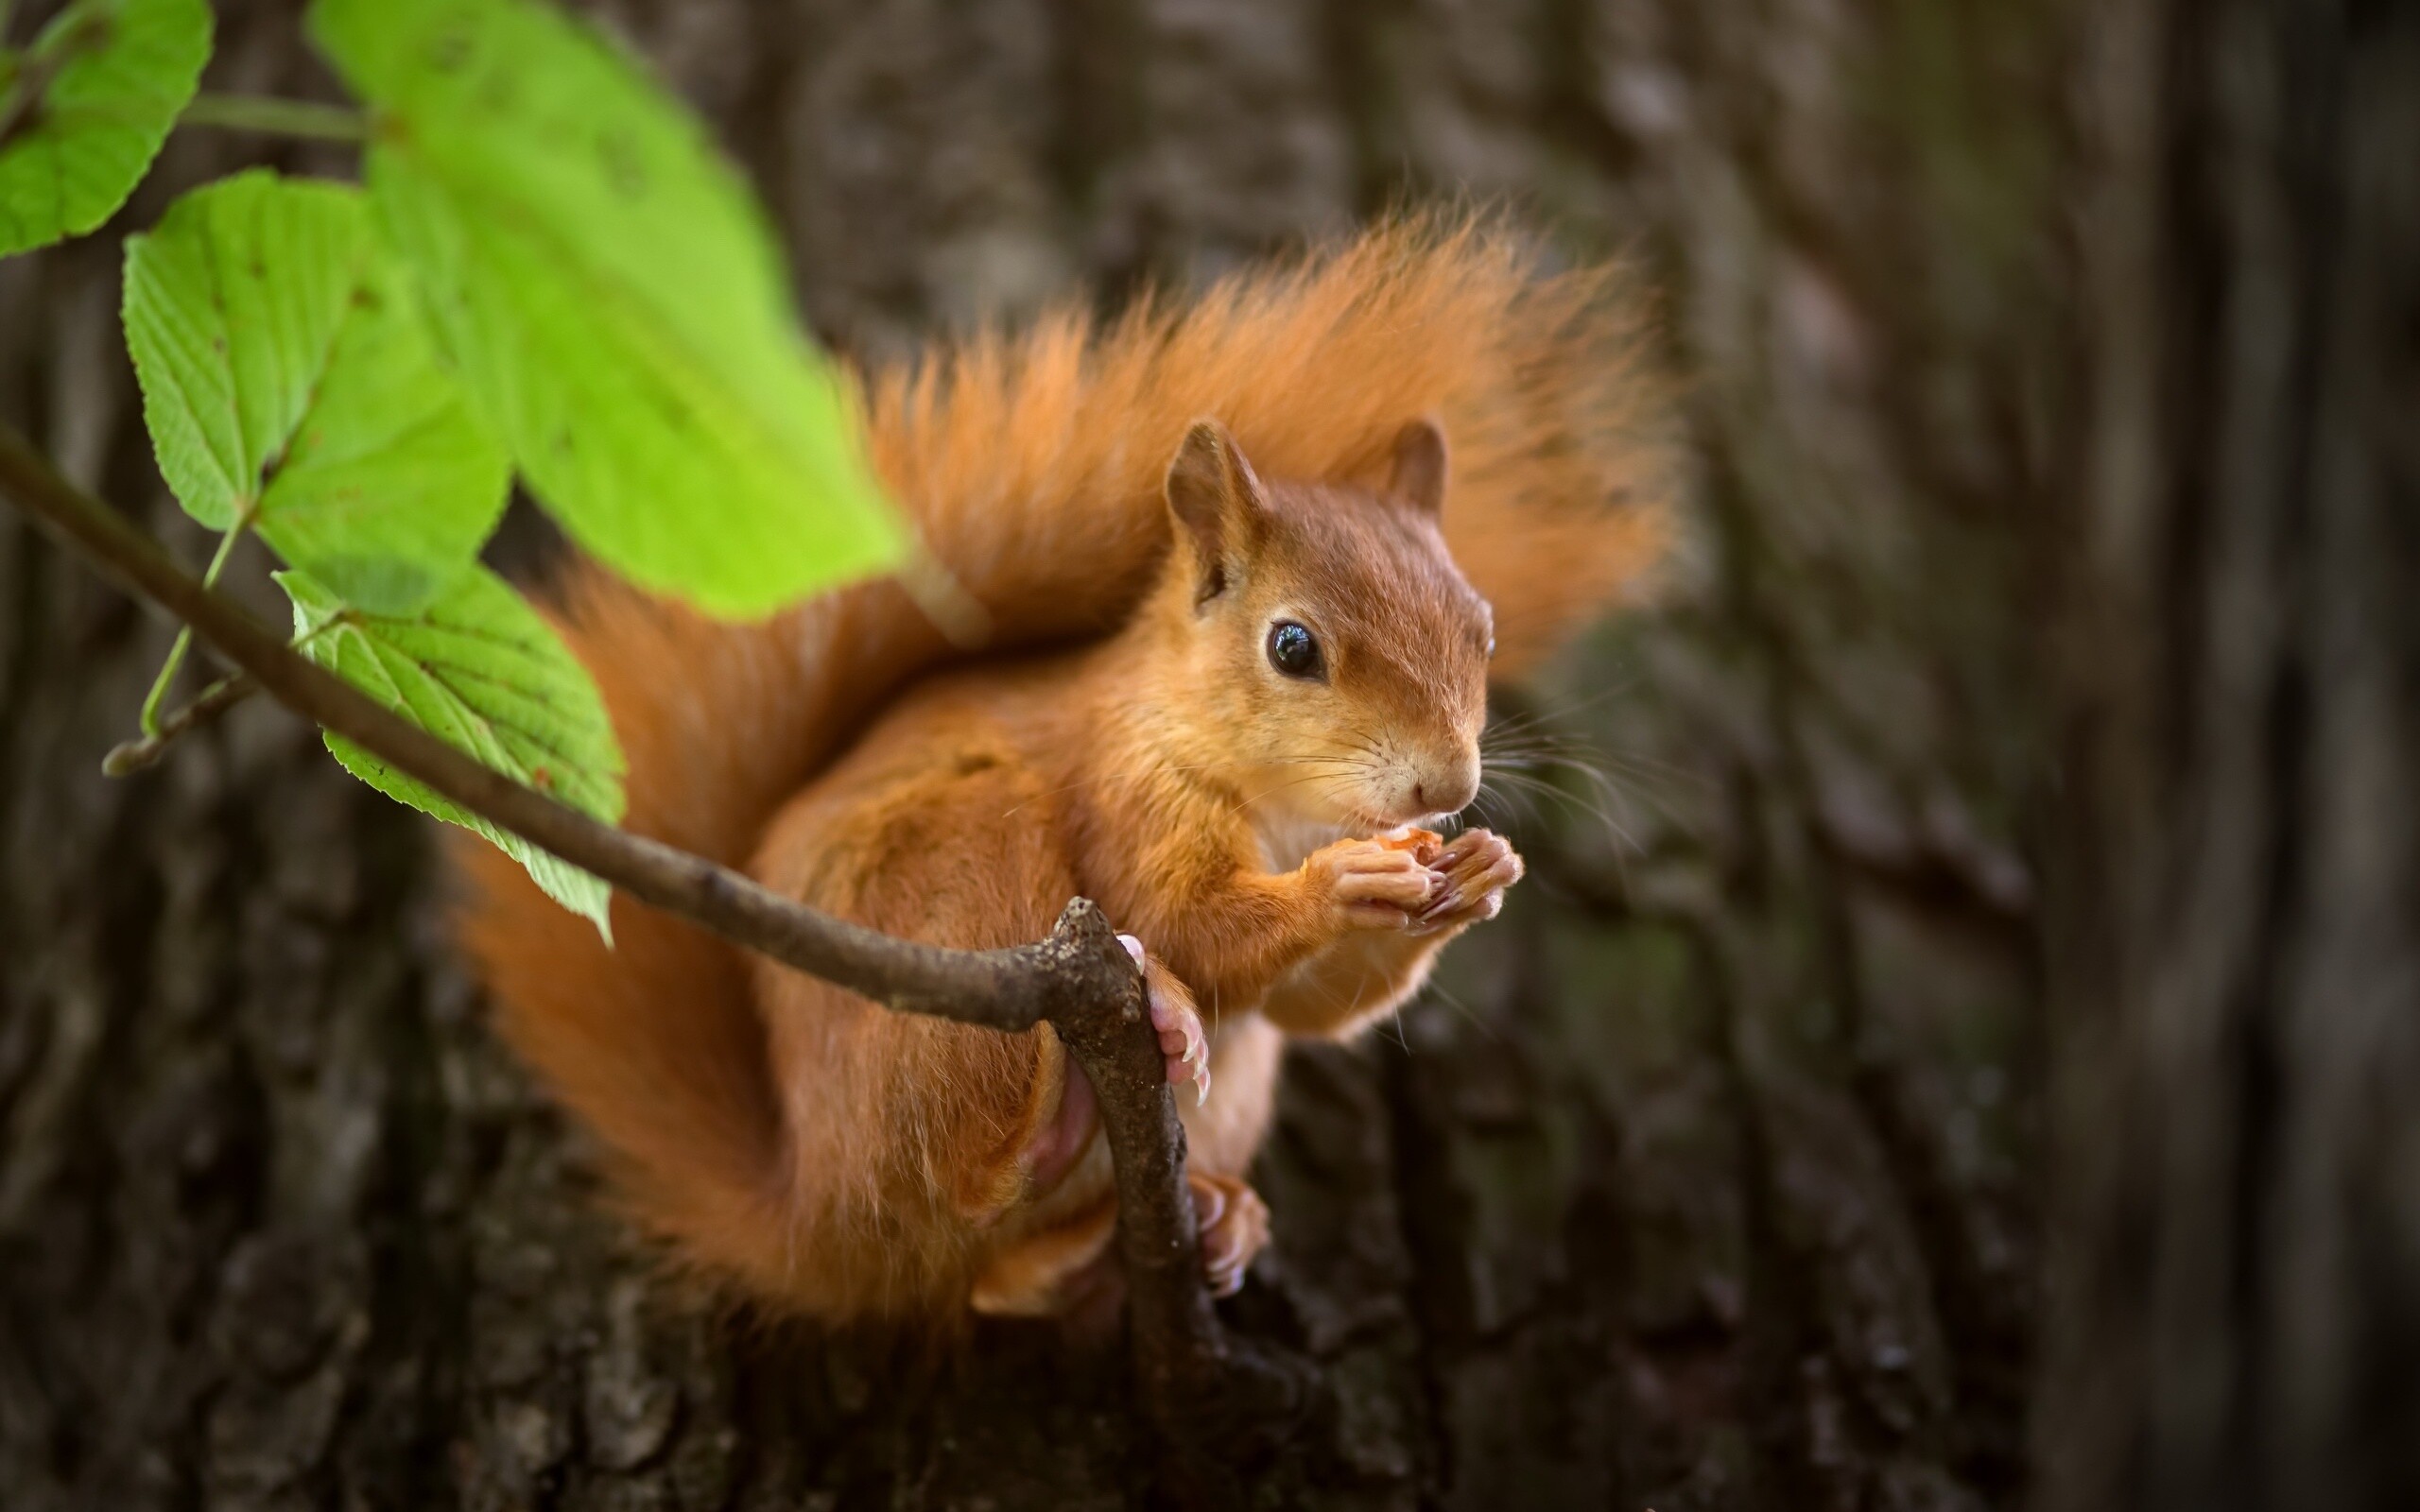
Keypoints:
pixel 2048 555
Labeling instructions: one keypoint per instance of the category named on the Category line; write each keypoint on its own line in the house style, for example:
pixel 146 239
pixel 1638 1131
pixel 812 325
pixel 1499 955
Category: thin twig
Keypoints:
pixel 129 757
pixel 149 717
pixel 277 117
pixel 1204 1391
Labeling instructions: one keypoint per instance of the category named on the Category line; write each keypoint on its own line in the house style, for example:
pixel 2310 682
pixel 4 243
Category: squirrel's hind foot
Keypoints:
pixel 1234 1225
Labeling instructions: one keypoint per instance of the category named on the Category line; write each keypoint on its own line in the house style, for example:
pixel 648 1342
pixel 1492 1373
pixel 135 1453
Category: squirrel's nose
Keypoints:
pixel 1445 792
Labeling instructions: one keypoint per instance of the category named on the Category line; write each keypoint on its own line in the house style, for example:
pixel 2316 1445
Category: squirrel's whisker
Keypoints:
pixel 1614 829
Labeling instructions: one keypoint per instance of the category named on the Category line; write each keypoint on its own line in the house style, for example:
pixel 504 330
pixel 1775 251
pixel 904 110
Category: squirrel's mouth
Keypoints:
pixel 1367 823
pixel 1355 811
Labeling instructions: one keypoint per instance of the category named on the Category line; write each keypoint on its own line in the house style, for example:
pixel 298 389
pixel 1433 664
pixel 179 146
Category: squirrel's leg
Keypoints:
pixel 1223 1130
pixel 1068 1265
pixel 1051 1272
pixel 1374 971
pixel 919 1147
pixel 1222 1134
pixel 1063 1270
pixel 1230 932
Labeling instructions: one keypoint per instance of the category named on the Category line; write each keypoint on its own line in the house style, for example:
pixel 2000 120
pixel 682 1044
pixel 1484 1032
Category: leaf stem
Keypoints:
pixel 169 669
pixel 277 117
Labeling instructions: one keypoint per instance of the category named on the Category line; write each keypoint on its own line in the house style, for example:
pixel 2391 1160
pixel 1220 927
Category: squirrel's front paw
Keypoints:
pixel 1182 1040
pixel 1372 884
pixel 1234 1225
pixel 1475 867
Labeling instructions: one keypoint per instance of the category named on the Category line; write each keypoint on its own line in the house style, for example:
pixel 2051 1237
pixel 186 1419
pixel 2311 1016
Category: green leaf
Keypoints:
pixel 288 384
pixel 482 671
pixel 389 486
pixel 87 109
pixel 613 300
pixel 232 306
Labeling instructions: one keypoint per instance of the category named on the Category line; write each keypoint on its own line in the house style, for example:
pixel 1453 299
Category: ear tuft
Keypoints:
pixel 1217 502
pixel 1419 477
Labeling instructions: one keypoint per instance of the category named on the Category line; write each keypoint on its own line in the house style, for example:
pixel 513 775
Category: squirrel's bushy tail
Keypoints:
pixel 1031 464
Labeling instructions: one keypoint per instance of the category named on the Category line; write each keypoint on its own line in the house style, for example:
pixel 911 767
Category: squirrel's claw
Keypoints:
pixel 1181 1038
pixel 1475 870
pixel 1234 1226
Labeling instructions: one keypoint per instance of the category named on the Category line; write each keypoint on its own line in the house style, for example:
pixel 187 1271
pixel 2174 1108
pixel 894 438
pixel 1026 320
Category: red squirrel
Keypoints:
pixel 1246 567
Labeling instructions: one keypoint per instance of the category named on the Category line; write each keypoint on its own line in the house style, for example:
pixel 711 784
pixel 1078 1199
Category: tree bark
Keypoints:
pixel 2238 950
pixel 1705 1177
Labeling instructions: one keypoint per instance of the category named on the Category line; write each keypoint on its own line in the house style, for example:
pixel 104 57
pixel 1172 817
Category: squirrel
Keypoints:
pixel 1246 567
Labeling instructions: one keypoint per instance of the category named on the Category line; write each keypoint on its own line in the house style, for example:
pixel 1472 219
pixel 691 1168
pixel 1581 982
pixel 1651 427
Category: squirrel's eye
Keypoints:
pixel 1293 650
pixel 1491 648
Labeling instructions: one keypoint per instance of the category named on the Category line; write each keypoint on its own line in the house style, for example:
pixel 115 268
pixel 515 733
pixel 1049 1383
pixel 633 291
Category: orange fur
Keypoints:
pixel 1033 466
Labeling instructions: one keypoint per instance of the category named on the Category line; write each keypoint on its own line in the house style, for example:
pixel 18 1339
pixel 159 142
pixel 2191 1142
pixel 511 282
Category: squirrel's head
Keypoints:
pixel 1340 652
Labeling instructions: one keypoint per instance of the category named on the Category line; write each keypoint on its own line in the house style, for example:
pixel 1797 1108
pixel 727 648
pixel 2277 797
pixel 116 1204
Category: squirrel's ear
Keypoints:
pixel 1217 502
pixel 1420 467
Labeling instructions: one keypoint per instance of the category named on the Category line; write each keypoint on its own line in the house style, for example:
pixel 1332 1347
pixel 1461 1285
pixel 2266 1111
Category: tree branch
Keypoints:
pixel 1200 1389
pixel 1011 989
